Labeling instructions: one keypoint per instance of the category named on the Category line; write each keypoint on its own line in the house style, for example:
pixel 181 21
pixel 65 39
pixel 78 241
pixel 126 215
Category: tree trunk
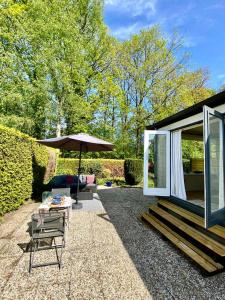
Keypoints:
pixel 59 118
pixel 58 129
pixel 113 113
pixel 137 142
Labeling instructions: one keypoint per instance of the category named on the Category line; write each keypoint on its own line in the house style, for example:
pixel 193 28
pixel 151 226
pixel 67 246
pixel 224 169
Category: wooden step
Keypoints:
pixel 216 229
pixel 192 232
pixel 206 262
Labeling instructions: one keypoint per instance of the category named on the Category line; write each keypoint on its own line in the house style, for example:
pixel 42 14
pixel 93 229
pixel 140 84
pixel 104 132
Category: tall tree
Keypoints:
pixel 54 65
pixel 61 73
pixel 154 81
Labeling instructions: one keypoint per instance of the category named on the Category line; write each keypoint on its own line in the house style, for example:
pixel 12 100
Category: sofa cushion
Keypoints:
pixel 83 179
pixel 75 179
pixel 62 181
pixel 59 180
pixel 90 179
pixel 69 179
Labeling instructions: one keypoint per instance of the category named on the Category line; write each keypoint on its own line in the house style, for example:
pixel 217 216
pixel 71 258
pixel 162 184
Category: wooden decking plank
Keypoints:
pixel 216 229
pixel 192 232
pixel 197 250
pixel 190 250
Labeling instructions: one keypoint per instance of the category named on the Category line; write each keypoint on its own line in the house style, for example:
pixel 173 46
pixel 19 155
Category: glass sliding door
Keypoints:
pixel 157 163
pixel 214 166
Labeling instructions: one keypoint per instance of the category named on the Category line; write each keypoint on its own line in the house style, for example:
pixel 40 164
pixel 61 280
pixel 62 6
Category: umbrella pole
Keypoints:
pixel 79 171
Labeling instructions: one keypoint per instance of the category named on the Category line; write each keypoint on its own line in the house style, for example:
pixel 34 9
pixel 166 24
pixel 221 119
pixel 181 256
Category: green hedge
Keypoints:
pixel 40 165
pixel 22 168
pixel 133 171
pixel 97 166
pixel 187 165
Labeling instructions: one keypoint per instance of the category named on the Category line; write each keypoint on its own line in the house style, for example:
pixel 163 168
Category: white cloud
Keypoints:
pixel 221 76
pixel 189 41
pixel 124 32
pixel 134 7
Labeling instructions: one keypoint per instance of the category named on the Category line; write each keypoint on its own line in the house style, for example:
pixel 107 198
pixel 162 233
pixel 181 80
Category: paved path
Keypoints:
pixel 94 205
pixel 109 255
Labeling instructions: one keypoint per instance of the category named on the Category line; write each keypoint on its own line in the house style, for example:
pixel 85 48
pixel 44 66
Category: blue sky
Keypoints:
pixel 201 23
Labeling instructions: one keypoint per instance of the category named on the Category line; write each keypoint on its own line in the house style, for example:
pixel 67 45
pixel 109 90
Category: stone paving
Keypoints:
pixel 109 254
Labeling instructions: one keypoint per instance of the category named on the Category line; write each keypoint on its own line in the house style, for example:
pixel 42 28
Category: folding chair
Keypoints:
pixel 47 226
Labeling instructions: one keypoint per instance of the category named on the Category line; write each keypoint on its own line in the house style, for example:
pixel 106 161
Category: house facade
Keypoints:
pixel 198 187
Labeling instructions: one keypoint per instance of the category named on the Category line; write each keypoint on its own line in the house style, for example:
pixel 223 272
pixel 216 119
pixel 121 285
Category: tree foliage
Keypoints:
pixel 61 73
pixel 149 81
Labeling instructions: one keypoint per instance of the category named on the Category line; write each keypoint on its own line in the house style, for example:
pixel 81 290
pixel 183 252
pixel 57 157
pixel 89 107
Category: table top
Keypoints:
pixel 66 203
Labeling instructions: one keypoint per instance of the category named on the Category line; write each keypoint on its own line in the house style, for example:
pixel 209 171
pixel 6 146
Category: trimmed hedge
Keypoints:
pixel 97 166
pixel 186 165
pixel 22 168
pixel 133 171
pixel 42 167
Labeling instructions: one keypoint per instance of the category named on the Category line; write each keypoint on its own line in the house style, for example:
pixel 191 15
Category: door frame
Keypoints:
pixel 217 217
pixel 161 192
pixel 211 218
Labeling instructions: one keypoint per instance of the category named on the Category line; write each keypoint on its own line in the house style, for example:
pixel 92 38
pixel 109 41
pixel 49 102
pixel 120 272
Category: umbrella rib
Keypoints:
pixel 64 143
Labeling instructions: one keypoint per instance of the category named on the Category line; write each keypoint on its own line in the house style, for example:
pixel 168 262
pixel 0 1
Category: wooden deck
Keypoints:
pixel 186 231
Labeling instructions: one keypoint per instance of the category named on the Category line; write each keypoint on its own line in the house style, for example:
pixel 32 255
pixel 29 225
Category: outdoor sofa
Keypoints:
pixel 86 182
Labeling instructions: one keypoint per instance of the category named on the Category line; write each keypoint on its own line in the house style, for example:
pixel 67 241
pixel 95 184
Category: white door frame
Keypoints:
pixel 156 191
pixel 212 218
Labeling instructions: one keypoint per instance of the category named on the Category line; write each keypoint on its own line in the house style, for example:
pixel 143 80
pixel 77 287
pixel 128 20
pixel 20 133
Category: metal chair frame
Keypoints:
pixel 46 230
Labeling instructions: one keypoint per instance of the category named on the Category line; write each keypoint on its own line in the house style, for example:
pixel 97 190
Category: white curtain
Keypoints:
pixel 177 172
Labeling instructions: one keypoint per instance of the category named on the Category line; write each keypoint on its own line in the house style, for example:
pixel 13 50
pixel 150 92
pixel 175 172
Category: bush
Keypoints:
pixel 40 167
pixel 97 166
pixel 114 165
pixel 94 167
pixel 133 171
pixel 187 165
pixel 22 168
pixel 106 173
pixel 115 181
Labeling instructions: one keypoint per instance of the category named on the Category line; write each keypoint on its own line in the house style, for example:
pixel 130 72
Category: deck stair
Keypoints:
pixel 185 230
pixel 195 219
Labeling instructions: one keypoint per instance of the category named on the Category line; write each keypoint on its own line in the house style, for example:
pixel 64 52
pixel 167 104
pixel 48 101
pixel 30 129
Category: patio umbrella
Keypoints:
pixel 81 142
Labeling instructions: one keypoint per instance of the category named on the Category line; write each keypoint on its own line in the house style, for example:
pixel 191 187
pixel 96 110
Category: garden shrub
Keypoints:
pixel 41 165
pixel 106 173
pixel 96 166
pixel 133 171
pixel 22 168
pixel 116 166
pixel 187 165
pixel 119 181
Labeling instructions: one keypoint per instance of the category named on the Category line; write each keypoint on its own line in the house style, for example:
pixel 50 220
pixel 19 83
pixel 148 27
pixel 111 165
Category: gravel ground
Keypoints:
pixel 109 254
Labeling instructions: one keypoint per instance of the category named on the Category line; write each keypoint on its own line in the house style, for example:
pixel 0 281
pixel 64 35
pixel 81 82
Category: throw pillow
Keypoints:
pixel 83 179
pixel 90 179
pixel 69 179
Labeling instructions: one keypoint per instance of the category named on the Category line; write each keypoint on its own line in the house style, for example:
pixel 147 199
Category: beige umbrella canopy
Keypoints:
pixel 81 142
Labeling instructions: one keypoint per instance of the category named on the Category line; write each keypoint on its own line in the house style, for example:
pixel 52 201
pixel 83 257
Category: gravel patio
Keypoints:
pixel 109 254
